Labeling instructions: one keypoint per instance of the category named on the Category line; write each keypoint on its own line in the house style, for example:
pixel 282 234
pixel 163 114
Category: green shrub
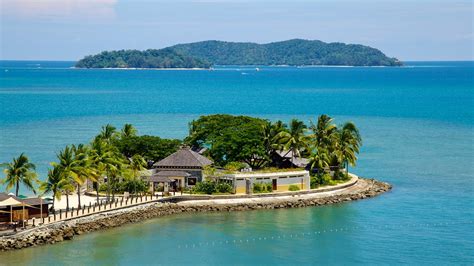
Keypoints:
pixel 257 188
pixel 133 186
pixel 103 188
pixel 294 188
pixel 314 182
pixel 212 187
pixel 224 188
pixel 262 187
pixel 206 187
pixel 269 187
pixel 326 179
pixel 235 166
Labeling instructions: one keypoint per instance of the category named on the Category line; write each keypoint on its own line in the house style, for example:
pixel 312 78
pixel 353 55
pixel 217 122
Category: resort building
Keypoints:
pixel 180 169
pixel 281 181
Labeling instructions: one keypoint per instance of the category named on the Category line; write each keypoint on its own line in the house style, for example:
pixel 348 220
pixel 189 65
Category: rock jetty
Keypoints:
pixel 66 230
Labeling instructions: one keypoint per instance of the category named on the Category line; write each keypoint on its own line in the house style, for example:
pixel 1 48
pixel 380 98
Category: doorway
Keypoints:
pixel 274 185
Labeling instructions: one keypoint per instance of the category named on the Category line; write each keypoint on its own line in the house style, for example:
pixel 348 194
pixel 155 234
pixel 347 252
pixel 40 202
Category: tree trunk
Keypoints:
pixel 17 187
pixel 113 190
pixel 78 196
pixel 347 169
pixel 53 205
pixel 67 201
pixel 97 190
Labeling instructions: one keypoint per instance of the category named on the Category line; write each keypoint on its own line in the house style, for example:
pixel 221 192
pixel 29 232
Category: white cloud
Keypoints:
pixel 58 9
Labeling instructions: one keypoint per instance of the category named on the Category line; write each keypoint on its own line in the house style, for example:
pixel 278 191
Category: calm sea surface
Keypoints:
pixel 417 123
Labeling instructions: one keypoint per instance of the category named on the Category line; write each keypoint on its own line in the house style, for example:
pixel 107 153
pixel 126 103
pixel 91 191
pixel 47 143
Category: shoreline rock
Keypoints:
pixel 58 232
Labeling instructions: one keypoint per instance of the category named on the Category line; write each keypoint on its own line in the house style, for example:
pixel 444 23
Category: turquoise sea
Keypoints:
pixel 416 121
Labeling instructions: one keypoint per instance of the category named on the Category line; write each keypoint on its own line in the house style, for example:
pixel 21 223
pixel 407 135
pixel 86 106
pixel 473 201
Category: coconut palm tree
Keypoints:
pixel 73 162
pixel 108 133
pixel 271 135
pixel 20 171
pixel 107 162
pixel 323 132
pixel 137 164
pixel 349 142
pixel 128 130
pixel 55 184
pixel 83 170
pixel 294 140
pixel 319 160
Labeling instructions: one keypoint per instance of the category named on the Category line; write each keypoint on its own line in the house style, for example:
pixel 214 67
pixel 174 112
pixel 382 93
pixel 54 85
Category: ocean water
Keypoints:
pixel 416 122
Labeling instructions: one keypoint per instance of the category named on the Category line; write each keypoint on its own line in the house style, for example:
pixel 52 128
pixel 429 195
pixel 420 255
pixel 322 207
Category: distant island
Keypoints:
pixel 151 58
pixel 205 54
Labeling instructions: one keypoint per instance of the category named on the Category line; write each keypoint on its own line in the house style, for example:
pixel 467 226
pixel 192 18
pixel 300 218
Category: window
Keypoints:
pixel 192 181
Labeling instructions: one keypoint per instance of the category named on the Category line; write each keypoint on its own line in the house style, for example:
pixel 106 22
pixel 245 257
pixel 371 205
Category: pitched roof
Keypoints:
pixel 297 161
pixel 184 158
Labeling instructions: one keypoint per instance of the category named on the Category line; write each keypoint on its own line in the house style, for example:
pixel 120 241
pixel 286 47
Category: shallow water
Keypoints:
pixel 417 124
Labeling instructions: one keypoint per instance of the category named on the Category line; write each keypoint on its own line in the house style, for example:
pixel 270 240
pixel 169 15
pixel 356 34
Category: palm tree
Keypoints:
pixel 73 166
pixel 272 136
pixel 128 130
pixel 55 184
pixel 319 159
pixel 106 161
pixel 82 169
pixel 108 133
pixel 349 143
pixel 294 140
pixel 66 188
pixel 137 164
pixel 323 132
pixel 20 171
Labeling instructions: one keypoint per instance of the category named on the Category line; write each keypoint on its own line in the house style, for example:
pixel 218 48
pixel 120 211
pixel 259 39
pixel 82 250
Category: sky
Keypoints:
pixel 71 29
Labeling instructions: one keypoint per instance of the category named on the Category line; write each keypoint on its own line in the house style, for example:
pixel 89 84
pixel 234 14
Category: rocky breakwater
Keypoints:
pixel 66 230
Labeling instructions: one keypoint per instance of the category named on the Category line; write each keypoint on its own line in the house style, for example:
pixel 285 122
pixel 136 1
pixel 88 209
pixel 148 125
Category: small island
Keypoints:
pixel 205 54
pixel 226 163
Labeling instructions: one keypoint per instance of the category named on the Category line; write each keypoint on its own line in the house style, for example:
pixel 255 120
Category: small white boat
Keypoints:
pixel 257 69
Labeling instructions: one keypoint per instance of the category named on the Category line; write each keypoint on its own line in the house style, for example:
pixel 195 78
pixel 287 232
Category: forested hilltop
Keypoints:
pixel 152 58
pixel 204 54
pixel 296 52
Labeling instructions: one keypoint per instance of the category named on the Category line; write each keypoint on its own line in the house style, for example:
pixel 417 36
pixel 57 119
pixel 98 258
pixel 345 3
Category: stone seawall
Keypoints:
pixel 53 233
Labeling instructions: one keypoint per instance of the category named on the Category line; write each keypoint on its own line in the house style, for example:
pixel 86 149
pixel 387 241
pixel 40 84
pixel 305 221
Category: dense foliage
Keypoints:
pixel 293 188
pixel 129 185
pixel 162 58
pixel 262 188
pixel 229 138
pixel 294 52
pixel 149 147
pixel 212 187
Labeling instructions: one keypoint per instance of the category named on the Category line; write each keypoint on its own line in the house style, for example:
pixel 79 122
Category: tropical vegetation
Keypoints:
pixel 20 171
pixel 295 52
pixel 115 160
pixel 152 58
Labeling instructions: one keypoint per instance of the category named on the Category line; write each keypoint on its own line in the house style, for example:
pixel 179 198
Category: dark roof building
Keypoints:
pixel 182 168
pixel 286 159
pixel 183 158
